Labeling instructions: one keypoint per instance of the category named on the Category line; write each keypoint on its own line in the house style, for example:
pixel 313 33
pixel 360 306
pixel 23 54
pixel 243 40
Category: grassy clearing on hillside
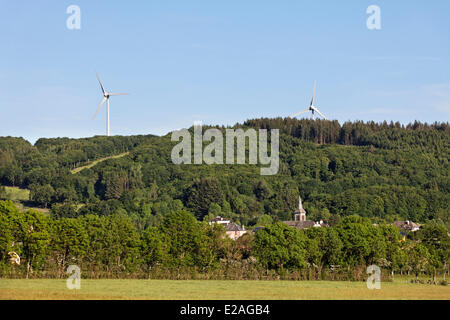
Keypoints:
pixel 220 290
pixel 93 163
pixel 21 198
pixel 25 208
pixel 17 194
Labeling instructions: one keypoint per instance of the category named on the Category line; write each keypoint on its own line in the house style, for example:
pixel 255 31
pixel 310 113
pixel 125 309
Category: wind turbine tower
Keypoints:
pixel 106 96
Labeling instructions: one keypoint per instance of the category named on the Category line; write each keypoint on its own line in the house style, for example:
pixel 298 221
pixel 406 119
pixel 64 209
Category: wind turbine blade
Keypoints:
pixel 98 108
pixel 314 93
pixel 101 86
pixel 118 94
pixel 321 114
pixel 301 112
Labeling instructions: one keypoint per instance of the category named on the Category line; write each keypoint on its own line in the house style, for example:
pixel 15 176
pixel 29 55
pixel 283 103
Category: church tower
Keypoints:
pixel 300 213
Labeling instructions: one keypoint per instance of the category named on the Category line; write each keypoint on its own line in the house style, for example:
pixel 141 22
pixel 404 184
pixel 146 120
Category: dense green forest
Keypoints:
pixel 140 215
pixel 382 171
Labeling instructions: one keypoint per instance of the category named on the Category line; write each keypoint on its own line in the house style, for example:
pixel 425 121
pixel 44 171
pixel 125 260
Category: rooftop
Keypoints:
pixel 219 219
pixel 234 227
pixel 407 225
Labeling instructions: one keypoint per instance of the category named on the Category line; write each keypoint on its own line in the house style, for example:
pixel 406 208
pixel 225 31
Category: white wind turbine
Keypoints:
pixel 311 108
pixel 106 96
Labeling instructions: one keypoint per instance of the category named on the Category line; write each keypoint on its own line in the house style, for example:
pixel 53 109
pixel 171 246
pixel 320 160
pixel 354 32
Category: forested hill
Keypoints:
pixel 378 170
pixel 380 135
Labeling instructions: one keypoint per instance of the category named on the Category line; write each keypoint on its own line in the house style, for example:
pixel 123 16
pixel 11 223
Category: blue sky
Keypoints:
pixel 219 62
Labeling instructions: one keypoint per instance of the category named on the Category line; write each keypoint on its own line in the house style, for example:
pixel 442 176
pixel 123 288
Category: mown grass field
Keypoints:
pixel 218 290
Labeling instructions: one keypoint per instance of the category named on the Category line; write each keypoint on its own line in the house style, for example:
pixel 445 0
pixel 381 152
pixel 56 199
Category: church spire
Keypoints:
pixel 300 206
pixel 300 214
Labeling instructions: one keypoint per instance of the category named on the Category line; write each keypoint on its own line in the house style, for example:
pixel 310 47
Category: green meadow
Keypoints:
pixel 219 290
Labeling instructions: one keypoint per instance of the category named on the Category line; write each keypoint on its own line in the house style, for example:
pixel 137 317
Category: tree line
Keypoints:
pixel 181 247
pixel 379 135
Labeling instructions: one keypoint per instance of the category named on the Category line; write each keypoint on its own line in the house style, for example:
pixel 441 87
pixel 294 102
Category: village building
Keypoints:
pixel 300 221
pixel 407 226
pixel 255 230
pixel 232 230
pixel 219 220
